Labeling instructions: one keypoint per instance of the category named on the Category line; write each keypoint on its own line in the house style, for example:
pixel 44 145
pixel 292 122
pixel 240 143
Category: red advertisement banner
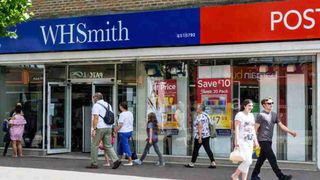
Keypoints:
pixel 166 105
pixel 214 86
pixel 167 91
pixel 271 21
pixel 215 95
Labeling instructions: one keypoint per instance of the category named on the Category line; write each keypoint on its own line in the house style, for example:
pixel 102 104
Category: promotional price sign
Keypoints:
pixel 163 101
pixel 215 95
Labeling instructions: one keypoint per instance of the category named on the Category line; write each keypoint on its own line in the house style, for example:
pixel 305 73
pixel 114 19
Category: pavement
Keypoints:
pixel 52 168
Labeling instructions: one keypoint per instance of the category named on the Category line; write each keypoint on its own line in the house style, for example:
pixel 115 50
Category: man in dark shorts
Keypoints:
pixel 264 127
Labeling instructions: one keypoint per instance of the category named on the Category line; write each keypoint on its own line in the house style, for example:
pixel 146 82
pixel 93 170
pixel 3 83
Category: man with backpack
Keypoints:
pixel 103 119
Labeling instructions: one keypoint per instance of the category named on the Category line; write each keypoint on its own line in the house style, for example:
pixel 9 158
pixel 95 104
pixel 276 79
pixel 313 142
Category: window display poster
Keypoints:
pixel 215 95
pixel 163 101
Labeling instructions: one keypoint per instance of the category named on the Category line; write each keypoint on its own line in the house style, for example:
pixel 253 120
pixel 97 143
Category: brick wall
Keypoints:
pixel 62 8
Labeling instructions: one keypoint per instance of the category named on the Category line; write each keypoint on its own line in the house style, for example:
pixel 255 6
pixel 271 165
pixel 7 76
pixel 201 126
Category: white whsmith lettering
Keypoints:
pixel 80 33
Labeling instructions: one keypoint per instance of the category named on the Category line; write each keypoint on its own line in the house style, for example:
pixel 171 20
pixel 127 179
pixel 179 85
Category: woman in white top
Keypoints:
pixel 245 138
pixel 124 129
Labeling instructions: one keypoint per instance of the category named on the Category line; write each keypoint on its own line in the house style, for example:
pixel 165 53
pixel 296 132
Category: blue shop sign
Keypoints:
pixel 146 29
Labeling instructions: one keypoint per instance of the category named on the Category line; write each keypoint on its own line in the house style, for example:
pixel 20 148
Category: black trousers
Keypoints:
pixel 197 146
pixel 6 141
pixel 267 153
pixel 6 148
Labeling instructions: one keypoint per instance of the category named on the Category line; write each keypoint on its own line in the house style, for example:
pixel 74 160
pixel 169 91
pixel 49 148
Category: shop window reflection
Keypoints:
pixel 166 86
pixel 284 78
pixel 24 84
pixel 291 83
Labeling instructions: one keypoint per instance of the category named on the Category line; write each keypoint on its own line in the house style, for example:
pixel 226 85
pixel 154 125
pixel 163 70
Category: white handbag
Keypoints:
pixel 236 156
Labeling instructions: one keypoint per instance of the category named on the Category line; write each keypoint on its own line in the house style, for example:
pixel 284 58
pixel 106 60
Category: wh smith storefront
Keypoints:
pixel 167 62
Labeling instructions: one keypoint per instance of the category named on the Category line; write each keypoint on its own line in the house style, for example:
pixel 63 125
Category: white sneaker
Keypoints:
pixel 137 161
pixel 189 165
pixel 128 164
pixel 106 164
pixel 158 163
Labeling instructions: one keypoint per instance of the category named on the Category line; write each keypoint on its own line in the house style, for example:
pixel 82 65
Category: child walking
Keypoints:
pixel 152 140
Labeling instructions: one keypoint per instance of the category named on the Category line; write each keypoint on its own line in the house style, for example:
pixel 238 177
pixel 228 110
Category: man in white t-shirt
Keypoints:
pixel 101 131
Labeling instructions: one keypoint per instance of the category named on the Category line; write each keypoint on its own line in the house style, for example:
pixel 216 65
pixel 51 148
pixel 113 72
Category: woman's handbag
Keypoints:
pixel 256 152
pixel 134 154
pixel 236 156
pixel 212 127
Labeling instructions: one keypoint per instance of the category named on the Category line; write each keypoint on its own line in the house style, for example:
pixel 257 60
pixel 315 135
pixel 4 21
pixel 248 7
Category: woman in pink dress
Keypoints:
pixel 17 123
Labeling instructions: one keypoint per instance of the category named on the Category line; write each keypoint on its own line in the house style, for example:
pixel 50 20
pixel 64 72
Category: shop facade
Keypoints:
pixel 167 67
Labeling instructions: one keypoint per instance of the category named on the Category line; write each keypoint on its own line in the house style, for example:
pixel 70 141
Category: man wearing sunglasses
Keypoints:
pixel 264 127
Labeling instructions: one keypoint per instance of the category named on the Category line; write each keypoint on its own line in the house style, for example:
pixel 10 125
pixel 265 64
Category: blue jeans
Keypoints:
pixel 124 146
pixel 156 149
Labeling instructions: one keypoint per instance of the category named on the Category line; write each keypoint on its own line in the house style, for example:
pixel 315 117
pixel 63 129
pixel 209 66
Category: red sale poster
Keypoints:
pixel 164 102
pixel 215 95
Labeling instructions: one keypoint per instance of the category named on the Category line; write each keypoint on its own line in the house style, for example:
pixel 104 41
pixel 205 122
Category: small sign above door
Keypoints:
pixel 102 71
pixel 86 75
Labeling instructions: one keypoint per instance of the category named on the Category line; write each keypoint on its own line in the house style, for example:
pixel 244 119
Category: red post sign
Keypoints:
pixel 272 21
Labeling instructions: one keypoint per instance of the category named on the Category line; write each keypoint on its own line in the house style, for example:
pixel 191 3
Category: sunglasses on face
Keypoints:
pixel 269 103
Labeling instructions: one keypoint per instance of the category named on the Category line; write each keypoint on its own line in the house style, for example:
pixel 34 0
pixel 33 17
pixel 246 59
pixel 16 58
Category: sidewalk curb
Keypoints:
pixel 201 161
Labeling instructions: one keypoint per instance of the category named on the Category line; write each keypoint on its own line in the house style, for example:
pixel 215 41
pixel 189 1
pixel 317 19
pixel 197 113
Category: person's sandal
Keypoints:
pixel 232 177
pixel 189 165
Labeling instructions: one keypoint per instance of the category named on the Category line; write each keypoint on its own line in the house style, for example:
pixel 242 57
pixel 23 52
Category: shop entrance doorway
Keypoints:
pixel 58 118
pixel 69 114
pixel 81 117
